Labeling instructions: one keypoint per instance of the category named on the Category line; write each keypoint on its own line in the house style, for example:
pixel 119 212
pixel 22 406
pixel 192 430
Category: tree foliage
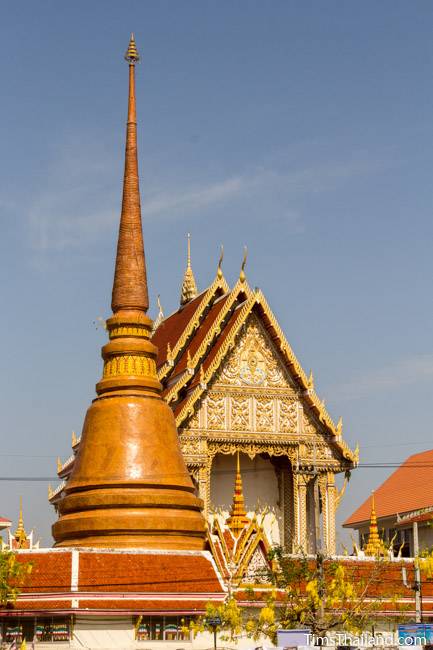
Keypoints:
pixel 12 576
pixel 230 615
pixel 321 594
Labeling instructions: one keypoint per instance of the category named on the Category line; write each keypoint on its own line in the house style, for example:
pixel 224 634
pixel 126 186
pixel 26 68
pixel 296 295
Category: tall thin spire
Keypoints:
pixel 130 281
pixel 189 287
pixel 238 517
pixel 129 485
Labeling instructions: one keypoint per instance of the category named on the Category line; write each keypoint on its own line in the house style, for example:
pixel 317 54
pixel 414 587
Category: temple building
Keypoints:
pixel 404 498
pixel 149 527
pixel 235 385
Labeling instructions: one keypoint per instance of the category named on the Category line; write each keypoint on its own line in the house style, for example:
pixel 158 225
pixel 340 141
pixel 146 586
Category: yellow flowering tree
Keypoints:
pixel 322 595
pixel 12 576
pixel 225 618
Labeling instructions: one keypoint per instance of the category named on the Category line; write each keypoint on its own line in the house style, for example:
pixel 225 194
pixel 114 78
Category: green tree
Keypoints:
pixel 12 576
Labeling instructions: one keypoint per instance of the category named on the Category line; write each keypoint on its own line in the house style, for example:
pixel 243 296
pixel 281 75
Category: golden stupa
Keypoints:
pixel 130 486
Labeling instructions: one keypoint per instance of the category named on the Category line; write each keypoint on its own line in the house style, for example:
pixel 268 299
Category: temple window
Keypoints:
pixel 47 629
pixel 162 628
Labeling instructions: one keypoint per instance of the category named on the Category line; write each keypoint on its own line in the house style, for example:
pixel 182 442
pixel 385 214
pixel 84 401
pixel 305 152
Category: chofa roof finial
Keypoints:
pixel 244 261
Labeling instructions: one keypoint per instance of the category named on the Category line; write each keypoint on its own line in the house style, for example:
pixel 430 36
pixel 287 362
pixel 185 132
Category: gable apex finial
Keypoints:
pixel 242 276
pixel 189 286
pixel 220 262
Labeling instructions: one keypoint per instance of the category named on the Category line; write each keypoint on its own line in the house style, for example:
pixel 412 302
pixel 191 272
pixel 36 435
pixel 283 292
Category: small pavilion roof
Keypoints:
pixel 407 489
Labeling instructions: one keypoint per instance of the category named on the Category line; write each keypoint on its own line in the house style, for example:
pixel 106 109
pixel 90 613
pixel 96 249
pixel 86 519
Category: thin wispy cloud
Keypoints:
pixel 81 198
pixel 405 372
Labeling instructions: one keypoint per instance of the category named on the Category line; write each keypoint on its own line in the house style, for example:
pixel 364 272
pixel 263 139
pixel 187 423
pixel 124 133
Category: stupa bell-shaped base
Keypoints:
pixel 130 486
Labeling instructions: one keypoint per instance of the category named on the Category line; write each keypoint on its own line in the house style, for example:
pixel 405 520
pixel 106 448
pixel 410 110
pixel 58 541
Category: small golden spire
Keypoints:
pixel 238 517
pixel 20 533
pixel 20 526
pixel 220 262
pixel 189 287
pixel 131 54
pixel 59 464
pixel 50 491
pixel 311 380
pixel 374 545
pixel 74 439
pixel 244 261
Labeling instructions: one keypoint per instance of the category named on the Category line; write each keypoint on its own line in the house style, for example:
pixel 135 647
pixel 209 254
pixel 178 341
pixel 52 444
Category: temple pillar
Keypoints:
pixel 287 507
pixel 204 486
pixel 328 492
pixel 300 514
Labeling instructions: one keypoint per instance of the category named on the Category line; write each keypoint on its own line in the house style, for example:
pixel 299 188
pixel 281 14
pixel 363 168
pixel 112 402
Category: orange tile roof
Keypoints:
pixel 409 488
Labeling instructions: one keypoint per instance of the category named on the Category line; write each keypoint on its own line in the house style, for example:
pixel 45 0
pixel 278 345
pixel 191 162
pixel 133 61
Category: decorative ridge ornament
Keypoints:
pixel 242 276
pixel 189 286
pixel 160 317
pixel 129 485
pixel 220 262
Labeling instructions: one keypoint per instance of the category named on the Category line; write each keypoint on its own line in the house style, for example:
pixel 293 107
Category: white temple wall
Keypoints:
pixel 260 488
pixel 101 633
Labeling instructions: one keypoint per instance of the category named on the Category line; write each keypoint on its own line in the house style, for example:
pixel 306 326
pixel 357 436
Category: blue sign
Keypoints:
pixel 415 634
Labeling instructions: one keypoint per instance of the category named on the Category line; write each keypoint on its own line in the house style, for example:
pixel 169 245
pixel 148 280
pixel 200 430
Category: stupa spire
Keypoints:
pixel 374 545
pixel 130 281
pixel 189 286
pixel 129 486
pixel 238 517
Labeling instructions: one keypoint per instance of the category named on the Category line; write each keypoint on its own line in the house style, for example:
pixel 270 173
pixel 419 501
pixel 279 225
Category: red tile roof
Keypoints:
pixel 218 344
pixel 210 319
pixel 126 572
pixel 39 605
pixel 172 328
pixel 51 572
pixel 409 488
pixel 137 605
pixel 147 572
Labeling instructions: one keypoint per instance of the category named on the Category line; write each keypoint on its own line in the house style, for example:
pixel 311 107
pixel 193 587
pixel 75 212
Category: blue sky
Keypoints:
pixel 301 129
